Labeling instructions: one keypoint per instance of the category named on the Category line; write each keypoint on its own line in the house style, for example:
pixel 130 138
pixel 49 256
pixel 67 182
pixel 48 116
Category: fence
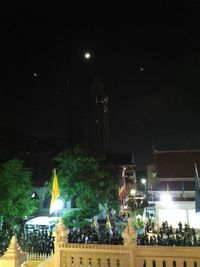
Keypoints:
pixel 95 255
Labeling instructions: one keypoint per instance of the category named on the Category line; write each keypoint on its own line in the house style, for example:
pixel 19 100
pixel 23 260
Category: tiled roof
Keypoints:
pixel 176 164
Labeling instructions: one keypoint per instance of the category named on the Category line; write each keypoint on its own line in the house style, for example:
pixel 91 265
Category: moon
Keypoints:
pixel 87 55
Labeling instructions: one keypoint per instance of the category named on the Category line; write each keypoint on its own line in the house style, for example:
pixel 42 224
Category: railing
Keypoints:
pixel 38 256
pixel 91 246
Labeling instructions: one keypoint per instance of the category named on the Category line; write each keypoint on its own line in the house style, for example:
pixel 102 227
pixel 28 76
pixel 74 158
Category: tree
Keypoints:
pixel 15 192
pixel 87 179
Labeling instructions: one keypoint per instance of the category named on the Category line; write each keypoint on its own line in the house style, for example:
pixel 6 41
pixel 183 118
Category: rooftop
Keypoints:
pixel 176 164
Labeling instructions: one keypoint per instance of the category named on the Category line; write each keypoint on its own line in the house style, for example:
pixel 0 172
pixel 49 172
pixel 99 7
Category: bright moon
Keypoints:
pixel 87 55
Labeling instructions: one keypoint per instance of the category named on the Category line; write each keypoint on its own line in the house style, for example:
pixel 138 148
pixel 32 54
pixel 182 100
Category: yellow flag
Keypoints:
pixel 108 224
pixel 55 192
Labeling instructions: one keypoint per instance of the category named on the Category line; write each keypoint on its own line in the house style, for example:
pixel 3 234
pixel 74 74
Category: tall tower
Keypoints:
pixel 99 117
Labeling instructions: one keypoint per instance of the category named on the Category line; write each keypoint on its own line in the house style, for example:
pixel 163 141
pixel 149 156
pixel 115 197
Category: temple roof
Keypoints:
pixel 176 164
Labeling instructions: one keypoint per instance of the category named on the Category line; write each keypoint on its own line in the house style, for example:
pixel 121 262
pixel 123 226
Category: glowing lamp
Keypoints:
pixel 58 205
pixel 133 191
pixel 143 181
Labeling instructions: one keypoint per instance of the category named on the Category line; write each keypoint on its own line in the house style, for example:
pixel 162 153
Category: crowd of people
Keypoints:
pixel 39 241
pixel 168 236
pixel 137 201
pixel 96 234
pixel 90 236
pixel 5 236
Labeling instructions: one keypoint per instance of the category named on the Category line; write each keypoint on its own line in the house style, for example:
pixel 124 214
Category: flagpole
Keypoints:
pixel 197 189
pixel 122 192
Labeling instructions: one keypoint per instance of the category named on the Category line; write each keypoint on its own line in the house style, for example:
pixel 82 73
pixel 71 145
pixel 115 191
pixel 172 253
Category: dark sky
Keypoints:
pixel 149 60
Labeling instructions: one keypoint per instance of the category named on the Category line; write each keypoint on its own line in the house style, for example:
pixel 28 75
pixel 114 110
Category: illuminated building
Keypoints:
pixel 174 173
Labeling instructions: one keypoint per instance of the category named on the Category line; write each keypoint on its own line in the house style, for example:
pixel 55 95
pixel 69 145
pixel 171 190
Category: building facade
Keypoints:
pixel 173 191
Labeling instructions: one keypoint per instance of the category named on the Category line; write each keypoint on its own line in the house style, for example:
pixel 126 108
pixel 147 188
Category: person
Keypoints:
pixel 170 230
pixel 97 227
pixel 147 227
pixel 180 227
pixel 108 224
pixel 93 223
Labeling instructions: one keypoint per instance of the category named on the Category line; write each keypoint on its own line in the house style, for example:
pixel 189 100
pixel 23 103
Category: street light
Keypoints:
pixel 58 205
pixel 144 182
pixel 133 191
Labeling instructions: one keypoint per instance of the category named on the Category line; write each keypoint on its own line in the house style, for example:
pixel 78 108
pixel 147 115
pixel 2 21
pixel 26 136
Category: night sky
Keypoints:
pixel 150 66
